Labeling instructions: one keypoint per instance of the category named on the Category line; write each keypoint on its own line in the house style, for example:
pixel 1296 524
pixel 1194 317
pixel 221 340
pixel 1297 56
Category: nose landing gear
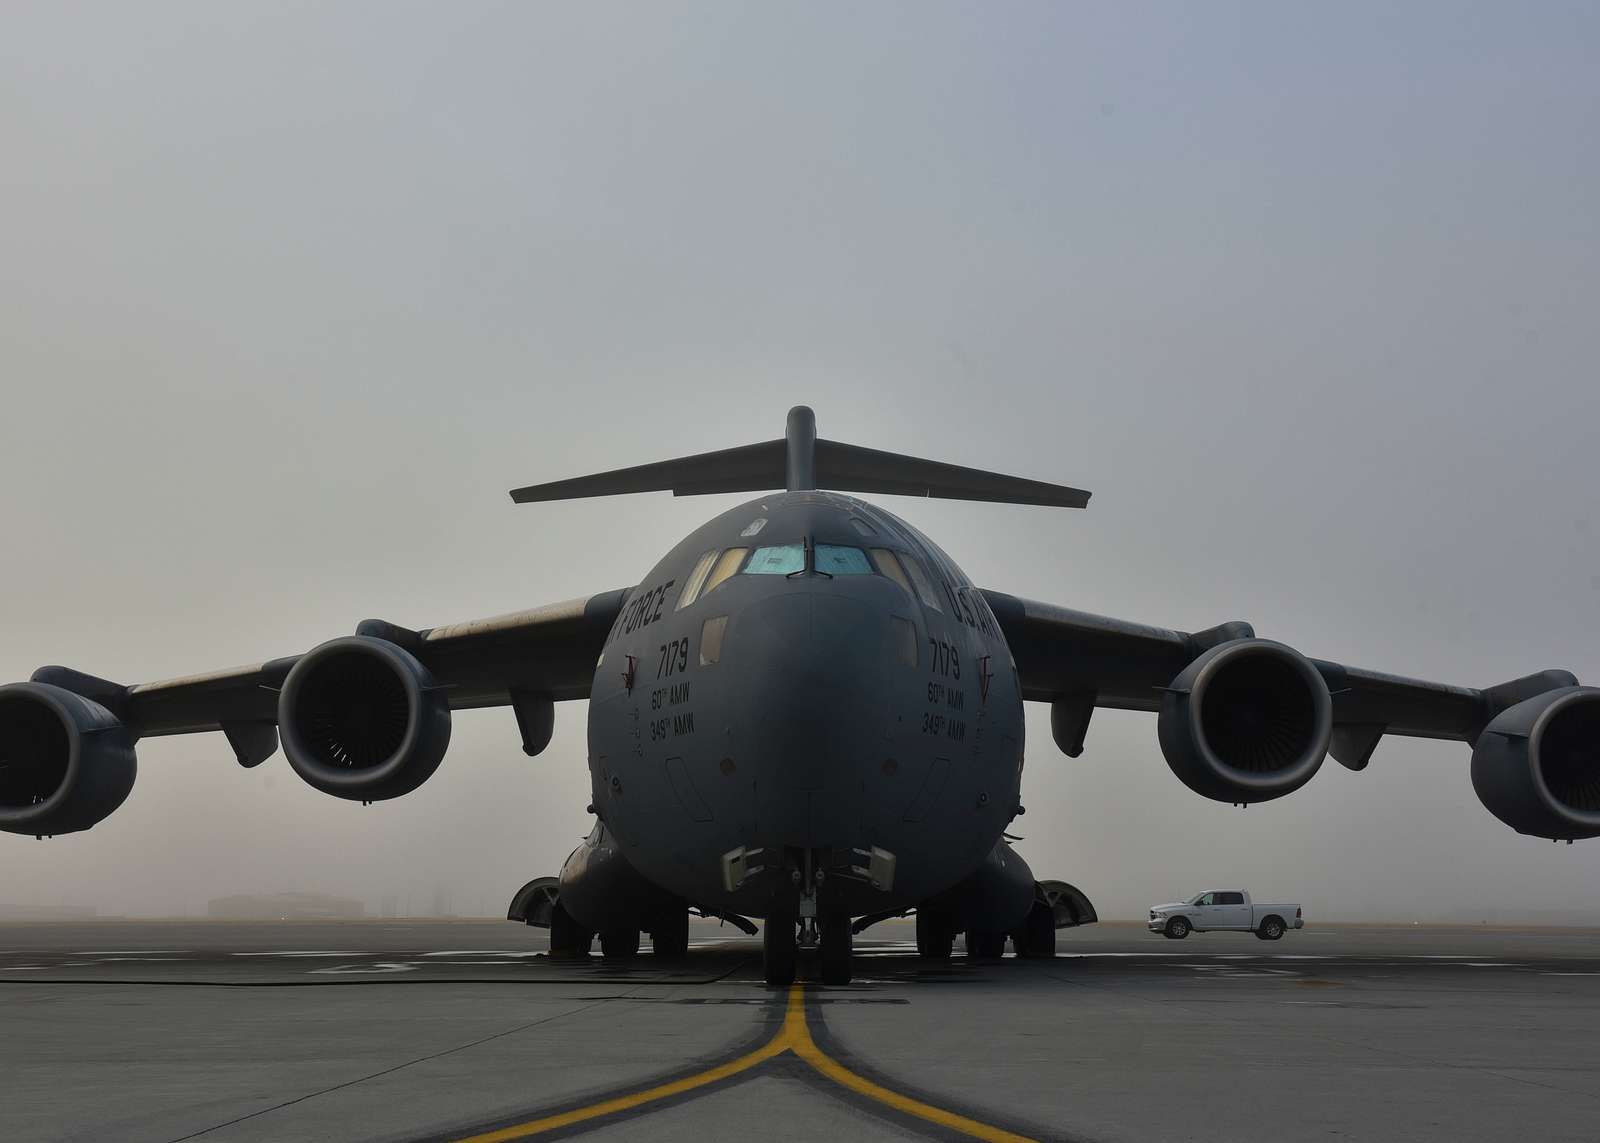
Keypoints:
pixel 828 936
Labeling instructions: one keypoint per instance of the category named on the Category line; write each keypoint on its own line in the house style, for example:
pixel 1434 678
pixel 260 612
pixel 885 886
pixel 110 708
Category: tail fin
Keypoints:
pixel 801 461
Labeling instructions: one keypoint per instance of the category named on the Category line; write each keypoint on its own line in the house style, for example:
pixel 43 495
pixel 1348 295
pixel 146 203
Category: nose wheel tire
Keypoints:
pixel 1177 929
pixel 778 950
pixel 836 942
pixel 620 944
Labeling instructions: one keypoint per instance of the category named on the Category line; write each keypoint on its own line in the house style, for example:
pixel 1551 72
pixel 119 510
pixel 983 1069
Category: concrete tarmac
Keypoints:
pixel 410 1030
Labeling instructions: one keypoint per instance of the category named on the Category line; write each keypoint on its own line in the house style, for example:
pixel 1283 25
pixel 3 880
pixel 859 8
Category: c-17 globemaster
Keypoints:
pixel 804 713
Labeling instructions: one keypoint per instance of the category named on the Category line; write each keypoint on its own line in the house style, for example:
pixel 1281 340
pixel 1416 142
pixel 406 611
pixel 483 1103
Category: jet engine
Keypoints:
pixel 1247 721
pixel 1536 767
pixel 65 762
pixel 362 719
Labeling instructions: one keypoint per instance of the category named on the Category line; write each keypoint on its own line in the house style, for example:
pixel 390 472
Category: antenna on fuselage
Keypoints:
pixel 801 462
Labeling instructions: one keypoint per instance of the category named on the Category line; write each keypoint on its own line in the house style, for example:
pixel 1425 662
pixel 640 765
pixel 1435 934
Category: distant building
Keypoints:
pixel 284 907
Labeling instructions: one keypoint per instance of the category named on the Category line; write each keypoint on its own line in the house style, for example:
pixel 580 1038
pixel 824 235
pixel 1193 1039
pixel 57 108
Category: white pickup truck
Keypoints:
pixel 1228 910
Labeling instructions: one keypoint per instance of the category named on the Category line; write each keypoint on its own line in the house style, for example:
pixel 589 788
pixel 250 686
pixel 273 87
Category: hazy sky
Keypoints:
pixel 290 295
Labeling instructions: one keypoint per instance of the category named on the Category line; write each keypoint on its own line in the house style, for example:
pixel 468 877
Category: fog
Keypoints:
pixel 292 295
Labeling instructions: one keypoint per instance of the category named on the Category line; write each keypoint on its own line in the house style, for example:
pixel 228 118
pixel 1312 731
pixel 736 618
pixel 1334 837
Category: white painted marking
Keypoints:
pixel 472 962
pixel 19 967
pixel 1569 974
pixel 352 969
pixel 299 954
pixel 127 952
pixel 1487 964
pixel 484 952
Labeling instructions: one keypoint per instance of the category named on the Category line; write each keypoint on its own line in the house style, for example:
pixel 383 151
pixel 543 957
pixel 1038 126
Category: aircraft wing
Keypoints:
pixel 549 651
pixel 1081 661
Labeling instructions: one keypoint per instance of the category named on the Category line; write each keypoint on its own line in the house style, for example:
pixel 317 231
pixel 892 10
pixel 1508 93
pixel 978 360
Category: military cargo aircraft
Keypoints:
pixel 804 713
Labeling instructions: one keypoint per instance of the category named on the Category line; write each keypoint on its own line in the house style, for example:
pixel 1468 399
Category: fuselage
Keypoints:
pixel 810 677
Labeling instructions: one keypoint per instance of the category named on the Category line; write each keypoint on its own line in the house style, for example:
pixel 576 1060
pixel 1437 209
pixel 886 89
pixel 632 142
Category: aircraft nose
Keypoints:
pixel 812 672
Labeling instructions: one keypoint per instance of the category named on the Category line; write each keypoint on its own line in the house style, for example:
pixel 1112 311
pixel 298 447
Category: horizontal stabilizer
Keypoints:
pixel 801 461
pixel 749 468
pixel 851 468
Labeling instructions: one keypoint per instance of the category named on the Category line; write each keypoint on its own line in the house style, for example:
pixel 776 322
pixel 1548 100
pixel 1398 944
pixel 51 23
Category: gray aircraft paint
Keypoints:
pixel 813 729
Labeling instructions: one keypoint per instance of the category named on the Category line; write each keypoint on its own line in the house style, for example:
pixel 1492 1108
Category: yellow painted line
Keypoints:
pixel 771 1048
pixel 794 1037
pixel 805 1047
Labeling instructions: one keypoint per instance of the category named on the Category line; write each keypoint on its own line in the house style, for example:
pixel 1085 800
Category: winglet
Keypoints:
pixel 804 461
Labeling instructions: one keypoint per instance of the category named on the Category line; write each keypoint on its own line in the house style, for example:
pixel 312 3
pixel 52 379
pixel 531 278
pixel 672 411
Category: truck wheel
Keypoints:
pixel 1271 929
pixel 1177 929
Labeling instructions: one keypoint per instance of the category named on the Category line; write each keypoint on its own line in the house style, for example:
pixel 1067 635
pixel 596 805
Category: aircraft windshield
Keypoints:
pixel 780 559
pixel 837 560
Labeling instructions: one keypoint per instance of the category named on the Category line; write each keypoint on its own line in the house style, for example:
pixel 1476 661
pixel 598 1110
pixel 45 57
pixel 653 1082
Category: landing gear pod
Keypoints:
pixel 65 761
pixel 1248 721
pixel 362 719
pixel 1536 767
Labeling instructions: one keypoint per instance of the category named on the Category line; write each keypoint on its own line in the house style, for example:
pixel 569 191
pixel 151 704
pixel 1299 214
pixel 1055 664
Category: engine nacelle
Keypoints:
pixel 362 719
pixel 65 762
pixel 1536 767
pixel 1248 721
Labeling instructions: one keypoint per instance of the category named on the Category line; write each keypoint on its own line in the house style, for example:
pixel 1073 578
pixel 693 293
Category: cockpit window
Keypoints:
pixel 886 563
pixel 924 588
pixel 780 559
pixel 836 559
pixel 727 564
pixel 696 580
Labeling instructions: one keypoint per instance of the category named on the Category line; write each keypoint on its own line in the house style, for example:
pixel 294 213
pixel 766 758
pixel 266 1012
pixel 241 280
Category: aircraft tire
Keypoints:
pixel 567 937
pixel 669 940
pixel 620 944
pixel 1037 936
pixel 935 941
pixel 985 946
pixel 778 950
pixel 836 948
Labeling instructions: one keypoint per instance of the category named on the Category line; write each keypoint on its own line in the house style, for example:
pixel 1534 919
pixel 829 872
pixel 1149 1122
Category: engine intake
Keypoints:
pixel 65 762
pixel 1536 767
pixel 362 719
pixel 1247 721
